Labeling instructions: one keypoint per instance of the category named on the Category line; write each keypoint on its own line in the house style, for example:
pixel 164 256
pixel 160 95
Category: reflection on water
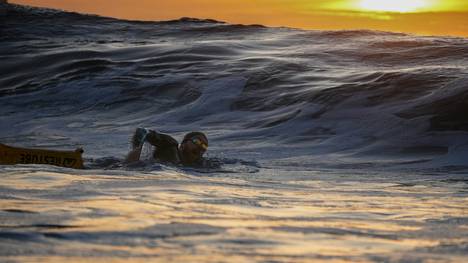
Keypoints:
pixel 52 213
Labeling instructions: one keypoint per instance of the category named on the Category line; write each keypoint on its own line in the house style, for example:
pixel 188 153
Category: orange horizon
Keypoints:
pixel 295 13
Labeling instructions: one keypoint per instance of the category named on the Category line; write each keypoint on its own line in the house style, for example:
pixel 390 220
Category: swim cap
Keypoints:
pixel 192 135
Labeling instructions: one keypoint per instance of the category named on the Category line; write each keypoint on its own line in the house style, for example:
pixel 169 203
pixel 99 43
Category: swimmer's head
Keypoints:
pixel 193 146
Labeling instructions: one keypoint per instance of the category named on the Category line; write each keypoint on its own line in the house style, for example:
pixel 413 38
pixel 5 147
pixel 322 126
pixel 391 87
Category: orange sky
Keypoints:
pixel 435 17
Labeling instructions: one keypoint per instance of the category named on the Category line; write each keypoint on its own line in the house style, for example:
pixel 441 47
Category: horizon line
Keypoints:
pixel 214 20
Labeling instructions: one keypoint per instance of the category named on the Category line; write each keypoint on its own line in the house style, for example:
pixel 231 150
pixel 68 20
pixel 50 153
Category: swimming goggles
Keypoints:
pixel 199 143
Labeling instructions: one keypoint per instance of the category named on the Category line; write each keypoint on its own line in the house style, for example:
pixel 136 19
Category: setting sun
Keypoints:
pixel 402 6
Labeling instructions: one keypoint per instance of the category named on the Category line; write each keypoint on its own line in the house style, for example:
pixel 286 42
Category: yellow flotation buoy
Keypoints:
pixel 13 155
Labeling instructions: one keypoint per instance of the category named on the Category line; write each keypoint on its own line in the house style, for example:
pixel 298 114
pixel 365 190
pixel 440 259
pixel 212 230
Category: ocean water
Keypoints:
pixel 342 146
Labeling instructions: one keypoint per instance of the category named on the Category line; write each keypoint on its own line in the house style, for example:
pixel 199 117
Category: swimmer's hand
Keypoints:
pixel 138 140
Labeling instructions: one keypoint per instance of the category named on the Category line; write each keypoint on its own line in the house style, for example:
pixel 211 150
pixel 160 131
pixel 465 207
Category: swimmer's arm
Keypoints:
pixel 160 139
pixel 153 138
pixel 137 144
pixel 156 139
pixel 133 155
pixel 164 141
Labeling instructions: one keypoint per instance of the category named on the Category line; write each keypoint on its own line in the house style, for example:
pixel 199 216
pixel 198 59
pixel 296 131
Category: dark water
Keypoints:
pixel 93 80
pixel 338 145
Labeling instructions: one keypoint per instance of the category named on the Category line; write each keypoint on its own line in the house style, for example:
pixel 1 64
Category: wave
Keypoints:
pixel 92 80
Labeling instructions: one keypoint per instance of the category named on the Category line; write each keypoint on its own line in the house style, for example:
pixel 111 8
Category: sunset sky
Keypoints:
pixel 427 17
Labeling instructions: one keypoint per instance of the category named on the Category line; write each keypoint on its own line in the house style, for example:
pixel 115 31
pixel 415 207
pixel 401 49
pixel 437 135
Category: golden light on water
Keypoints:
pixel 167 216
pixel 402 6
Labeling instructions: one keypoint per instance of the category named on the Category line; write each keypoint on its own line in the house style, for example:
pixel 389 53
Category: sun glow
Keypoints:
pixel 402 6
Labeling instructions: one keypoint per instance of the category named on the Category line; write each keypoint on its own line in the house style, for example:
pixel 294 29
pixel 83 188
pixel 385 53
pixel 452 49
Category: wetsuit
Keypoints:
pixel 167 148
